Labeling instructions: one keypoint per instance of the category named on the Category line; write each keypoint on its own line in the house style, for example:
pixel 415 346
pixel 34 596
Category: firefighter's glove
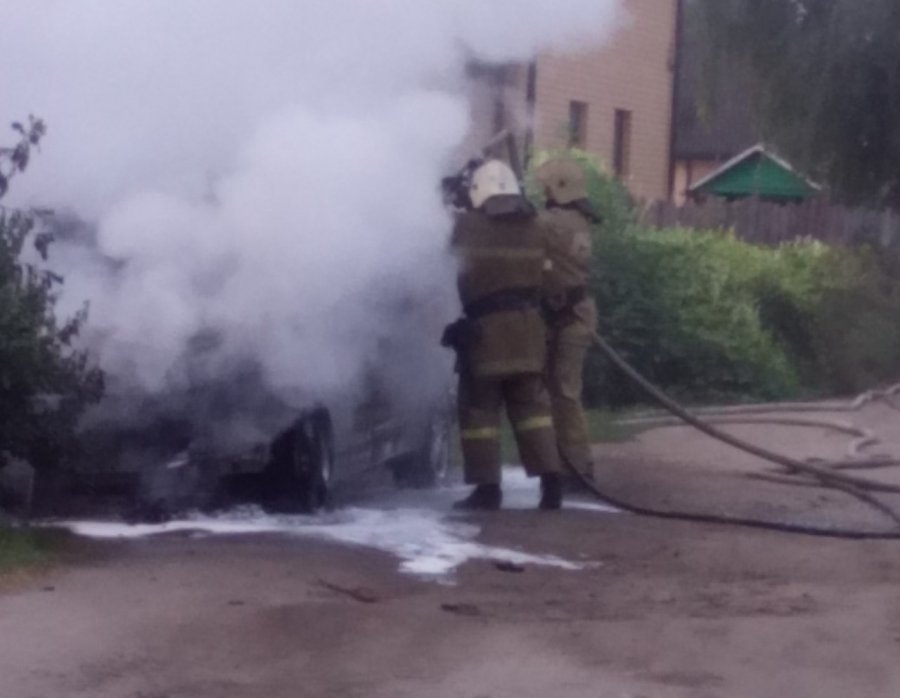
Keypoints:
pixel 460 335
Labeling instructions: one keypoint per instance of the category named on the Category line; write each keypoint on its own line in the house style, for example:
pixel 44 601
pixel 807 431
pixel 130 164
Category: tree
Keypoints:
pixel 45 381
pixel 825 82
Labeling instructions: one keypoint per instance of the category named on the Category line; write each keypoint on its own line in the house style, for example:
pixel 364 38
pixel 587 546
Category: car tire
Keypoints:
pixel 428 465
pixel 302 464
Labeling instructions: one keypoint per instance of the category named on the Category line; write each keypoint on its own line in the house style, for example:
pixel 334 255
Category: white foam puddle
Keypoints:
pixel 428 541
pixel 591 506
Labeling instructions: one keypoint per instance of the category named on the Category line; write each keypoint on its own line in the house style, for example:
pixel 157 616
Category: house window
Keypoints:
pixel 622 143
pixel 578 112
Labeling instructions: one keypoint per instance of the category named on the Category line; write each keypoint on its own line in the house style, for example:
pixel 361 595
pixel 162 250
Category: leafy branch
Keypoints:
pixel 15 160
pixel 46 380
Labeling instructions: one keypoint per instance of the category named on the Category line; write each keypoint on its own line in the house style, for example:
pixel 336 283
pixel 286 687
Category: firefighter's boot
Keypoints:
pixel 482 498
pixel 551 492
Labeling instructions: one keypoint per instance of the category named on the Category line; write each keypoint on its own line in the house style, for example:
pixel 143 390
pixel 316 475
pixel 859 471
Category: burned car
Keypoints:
pixel 228 415
pixel 219 443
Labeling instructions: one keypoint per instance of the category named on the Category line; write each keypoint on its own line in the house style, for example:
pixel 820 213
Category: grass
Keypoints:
pixel 23 547
pixel 603 428
pixel 18 548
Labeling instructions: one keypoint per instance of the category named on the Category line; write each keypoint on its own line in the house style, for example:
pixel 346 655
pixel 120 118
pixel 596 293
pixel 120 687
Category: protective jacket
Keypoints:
pixel 501 255
pixel 569 250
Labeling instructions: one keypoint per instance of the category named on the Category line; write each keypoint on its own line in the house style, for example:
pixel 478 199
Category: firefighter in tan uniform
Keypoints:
pixel 501 341
pixel 569 310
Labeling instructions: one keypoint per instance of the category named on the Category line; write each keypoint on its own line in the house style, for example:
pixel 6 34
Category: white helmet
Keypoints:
pixel 493 178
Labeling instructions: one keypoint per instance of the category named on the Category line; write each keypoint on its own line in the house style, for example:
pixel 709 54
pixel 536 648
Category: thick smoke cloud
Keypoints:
pixel 264 170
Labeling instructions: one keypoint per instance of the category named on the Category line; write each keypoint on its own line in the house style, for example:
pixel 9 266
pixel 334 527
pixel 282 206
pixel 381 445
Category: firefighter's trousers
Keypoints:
pixel 567 347
pixel 527 403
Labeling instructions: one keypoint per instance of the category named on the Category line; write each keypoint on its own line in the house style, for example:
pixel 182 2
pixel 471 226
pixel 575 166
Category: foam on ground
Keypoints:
pixel 416 527
pixel 427 543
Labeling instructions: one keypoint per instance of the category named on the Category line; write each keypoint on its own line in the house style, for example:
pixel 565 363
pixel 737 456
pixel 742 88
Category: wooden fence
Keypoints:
pixel 768 223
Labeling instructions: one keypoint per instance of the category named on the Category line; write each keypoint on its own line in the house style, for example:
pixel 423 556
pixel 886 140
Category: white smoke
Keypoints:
pixel 268 170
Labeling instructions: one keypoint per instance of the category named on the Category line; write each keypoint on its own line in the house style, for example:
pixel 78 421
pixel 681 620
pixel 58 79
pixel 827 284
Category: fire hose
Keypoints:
pixel 859 487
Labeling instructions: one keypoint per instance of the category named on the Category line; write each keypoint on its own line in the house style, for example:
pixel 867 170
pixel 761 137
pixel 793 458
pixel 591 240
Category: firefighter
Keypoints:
pixel 501 341
pixel 569 310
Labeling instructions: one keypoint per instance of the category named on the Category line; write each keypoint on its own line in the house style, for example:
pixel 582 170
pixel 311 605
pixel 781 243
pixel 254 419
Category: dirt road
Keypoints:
pixel 672 610
pixel 659 609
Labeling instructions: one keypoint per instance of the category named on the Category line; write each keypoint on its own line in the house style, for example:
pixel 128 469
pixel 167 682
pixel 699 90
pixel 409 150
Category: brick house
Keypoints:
pixel 614 101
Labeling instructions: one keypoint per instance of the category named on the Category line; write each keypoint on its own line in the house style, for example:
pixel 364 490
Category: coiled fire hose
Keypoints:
pixel 859 487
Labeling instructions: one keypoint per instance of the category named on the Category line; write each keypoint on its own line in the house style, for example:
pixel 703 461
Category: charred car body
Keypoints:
pixel 221 433
pixel 237 442
pixel 223 422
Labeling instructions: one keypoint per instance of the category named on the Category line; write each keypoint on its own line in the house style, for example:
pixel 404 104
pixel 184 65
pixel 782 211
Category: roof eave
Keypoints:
pixel 758 149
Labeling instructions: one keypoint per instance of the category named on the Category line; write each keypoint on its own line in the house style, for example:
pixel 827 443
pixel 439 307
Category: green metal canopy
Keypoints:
pixel 755 172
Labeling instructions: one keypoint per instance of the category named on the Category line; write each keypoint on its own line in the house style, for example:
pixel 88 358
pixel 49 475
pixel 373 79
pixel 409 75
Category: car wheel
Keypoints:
pixel 313 461
pixel 428 465
pixel 301 471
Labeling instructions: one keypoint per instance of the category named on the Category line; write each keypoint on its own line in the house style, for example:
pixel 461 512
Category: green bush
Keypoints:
pixel 680 306
pixel 709 317
pixel 46 380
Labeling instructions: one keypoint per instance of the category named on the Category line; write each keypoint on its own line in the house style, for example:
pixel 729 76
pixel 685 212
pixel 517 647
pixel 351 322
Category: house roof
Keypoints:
pixel 756 172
